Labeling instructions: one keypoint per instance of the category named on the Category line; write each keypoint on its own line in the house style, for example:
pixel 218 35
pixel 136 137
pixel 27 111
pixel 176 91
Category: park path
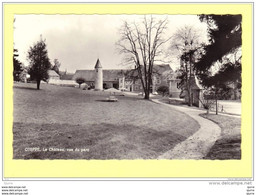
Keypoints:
pixel 197 145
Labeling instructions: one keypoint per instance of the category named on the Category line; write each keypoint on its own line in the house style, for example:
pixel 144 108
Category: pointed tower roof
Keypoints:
pixel 98 65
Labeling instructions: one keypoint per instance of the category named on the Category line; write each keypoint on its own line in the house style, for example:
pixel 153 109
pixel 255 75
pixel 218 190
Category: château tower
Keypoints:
pixel 98 76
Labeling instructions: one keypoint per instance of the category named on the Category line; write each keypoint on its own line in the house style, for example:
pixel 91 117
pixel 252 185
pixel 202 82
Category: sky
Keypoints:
pixel 77 41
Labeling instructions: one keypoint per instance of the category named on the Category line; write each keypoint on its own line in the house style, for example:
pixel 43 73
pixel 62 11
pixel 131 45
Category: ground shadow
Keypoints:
pixel 104 141
pixel 25 87
pixel 104 101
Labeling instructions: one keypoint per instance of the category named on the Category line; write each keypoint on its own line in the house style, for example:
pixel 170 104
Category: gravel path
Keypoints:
pixel 197 145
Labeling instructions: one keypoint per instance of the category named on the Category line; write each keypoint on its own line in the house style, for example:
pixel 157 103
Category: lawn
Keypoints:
pixel 69 123
pixel 228 146
pixel 166 100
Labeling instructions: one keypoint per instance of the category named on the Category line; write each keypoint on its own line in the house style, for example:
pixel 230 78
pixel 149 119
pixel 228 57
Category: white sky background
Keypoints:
pixel 78 40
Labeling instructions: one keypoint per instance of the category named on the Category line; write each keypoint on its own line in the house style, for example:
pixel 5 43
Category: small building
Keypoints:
pixel 24 76
pixel 196 92
pixel 53 76
pixel 176 90
pixel 63 80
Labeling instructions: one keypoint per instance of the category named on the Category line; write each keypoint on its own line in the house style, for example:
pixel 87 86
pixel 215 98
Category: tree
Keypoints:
pixel 17 66
pixel 187 42
pixel 141 43
pixel 215 68
pixel 39 63
pixel 224 37
pixel 80 81
pixel 56 66
pixel 225 43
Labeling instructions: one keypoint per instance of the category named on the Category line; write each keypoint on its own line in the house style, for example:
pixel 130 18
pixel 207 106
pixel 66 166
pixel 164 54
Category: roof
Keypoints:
pixel 163 70
pixel 111 75
pixel 89 75
pixel 160 69
pixel 62 72
pixel 194 83
pixel 114 74
pixel 98 65
pixel 67 76
pixel 52 73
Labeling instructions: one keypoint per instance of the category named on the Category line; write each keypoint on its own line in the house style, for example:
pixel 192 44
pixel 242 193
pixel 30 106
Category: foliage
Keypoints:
pixel 220 62
pixel 208 101
pixel 80 81
pixel 185 39
pixel 141 44
pixel 17 66
pixel 164 90
pixel 39 63
pixel 56 66
pixel 187 42
pixel 213 94
pixel 225 40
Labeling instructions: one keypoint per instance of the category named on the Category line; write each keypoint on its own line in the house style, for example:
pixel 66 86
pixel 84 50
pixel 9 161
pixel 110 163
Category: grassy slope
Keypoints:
pixel 63 117
pixel 228 146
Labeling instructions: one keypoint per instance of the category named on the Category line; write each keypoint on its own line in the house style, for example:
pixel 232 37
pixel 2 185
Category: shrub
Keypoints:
pixel 80 81
pixel 164 90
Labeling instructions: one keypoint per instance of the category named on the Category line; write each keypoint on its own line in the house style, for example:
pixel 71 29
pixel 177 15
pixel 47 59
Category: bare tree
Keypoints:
pixel 141 43
pixel 186 41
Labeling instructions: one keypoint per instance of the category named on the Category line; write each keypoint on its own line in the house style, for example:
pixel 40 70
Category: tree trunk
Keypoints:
pixel 216 99
pixel 235 92
pixel 207 111
pixel 38 84
pixel 189 80
pixel 146 97
pixel 189 96
pixel 147 92
pixel 216 106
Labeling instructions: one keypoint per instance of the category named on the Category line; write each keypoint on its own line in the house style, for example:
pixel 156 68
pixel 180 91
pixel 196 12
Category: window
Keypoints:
pixel 158 80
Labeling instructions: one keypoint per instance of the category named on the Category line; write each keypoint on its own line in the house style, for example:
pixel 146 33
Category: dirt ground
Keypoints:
pixel 228 146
